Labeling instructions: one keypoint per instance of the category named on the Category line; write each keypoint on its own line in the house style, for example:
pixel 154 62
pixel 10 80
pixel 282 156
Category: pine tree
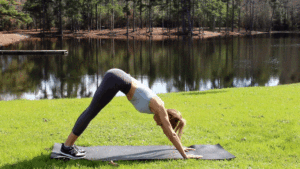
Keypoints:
pixel 8 13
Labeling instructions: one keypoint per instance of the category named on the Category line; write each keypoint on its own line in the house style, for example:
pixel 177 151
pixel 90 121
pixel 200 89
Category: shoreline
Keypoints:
pixel 7 39
pixel 158 34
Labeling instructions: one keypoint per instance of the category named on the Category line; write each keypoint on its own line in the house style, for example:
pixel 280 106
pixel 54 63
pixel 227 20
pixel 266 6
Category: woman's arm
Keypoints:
pixel 158 108
pixel 169 132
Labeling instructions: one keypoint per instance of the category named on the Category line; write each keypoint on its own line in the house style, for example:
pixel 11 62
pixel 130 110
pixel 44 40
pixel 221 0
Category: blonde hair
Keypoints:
pixel 174 117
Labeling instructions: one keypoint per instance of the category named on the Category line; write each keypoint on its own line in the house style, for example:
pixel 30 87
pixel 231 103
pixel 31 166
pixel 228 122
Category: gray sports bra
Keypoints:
pixel 141 98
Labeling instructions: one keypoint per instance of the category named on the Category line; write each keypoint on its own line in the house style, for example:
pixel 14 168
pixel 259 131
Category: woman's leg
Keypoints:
pixel 114 80
pixel 71 139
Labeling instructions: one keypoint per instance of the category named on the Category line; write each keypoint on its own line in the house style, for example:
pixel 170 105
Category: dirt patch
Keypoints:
pixel 7 38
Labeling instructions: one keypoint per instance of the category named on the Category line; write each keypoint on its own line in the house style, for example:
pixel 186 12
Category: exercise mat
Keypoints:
pixel 115 153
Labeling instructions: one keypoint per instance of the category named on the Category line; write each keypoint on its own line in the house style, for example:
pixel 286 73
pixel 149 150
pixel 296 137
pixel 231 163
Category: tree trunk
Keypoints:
pixel 150 10
pixel 168 16
pixel 92 27
pixel 188 13
pixel 133 16
pixel 214 23
pixel 246 15
pixel 89 25
pixel 204 18
pixel 100 18
pixel 77 25
pixel 178 25
pixel 183 16
pixel 239 24
pixel 168 23
pixel 44 10
pixel 141 19
pixel 271 23
pixel 162 22
pixel 232 16
pixel 36 26
pixel 199 25
pixel 192 21
pixel 227 15
pixel 252 15
pixel 97 26
pixel 127 12
pixel 72 24
pixel 112 16
pixel 200 17
pixel 220 20
pixel 292 17
pixel 60 18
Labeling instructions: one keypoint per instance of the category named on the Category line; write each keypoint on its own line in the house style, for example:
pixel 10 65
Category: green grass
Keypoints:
pixel 259 125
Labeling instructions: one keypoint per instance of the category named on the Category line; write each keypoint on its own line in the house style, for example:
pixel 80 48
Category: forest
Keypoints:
pixel 183 15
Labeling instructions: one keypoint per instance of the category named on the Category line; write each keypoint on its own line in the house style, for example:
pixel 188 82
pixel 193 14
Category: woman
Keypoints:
pixel 142 98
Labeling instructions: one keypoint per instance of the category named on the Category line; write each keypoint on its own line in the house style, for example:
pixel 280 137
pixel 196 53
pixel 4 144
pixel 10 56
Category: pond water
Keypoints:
pixel 165 66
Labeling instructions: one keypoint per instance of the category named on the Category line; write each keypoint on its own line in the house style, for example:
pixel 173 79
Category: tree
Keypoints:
pixel 199 13
pixel 150 12
pixel 126 10
pixel 8 14
pixel 33 7
pixel 214 10
pixel 60 18
pixel 227 15
pixel 232 21
pixel 112 16
pixel 239 22
pixel 84 14
pixel 186 16
pixel 133 10
pixel 141 6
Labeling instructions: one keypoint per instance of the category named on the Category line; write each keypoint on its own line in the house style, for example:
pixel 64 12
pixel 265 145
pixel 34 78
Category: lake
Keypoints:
pixel 165 66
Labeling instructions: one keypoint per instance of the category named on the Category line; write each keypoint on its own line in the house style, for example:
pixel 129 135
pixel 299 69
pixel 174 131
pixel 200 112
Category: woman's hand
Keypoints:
pixel 186 149
pixel 194 156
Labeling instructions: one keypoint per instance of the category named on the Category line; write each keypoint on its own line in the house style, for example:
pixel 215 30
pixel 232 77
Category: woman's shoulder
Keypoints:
pixel 156 103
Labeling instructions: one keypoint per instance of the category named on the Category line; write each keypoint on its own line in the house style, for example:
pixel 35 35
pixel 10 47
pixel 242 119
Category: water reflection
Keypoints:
pixel 164 66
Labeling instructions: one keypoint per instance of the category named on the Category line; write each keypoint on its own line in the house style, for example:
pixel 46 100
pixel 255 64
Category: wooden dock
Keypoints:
pixel 33 52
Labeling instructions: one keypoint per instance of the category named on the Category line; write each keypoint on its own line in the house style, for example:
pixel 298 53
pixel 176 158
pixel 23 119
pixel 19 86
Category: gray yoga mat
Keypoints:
pixel 115 153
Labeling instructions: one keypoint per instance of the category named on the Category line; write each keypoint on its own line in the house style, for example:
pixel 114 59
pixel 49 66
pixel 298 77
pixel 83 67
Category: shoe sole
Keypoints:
pixel 71 157
pixel 81 151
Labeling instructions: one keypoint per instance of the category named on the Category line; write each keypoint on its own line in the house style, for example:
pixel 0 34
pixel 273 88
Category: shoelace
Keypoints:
pixel 76 148
pixel 74 151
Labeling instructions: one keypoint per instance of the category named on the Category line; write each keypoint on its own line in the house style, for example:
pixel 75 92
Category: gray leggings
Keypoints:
pixel 113 81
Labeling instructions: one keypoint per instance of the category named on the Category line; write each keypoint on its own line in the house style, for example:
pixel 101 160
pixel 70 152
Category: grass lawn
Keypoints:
pixel 259 125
